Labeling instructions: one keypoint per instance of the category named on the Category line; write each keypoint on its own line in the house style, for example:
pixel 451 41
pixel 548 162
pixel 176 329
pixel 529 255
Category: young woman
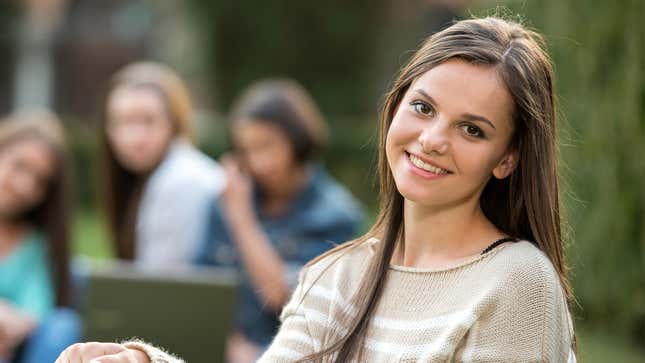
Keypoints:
pixel 34 240
pixel 158 188
pixel 280 209
pixel 465 261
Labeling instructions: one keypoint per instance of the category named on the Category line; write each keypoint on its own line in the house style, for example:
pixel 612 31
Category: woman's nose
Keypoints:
pixel 434 138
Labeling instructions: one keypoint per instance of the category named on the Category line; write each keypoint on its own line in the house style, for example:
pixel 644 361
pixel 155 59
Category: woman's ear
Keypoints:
pixel 507 165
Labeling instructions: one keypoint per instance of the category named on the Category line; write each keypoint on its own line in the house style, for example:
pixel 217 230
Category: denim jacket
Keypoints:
pixel 323 215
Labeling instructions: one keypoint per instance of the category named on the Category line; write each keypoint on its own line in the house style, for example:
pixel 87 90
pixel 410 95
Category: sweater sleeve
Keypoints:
pixel 294 339
pixel 156 355
pixel 528 320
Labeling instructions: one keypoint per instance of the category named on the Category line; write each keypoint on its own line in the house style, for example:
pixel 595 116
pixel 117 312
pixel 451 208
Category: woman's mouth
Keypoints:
pixel 425 166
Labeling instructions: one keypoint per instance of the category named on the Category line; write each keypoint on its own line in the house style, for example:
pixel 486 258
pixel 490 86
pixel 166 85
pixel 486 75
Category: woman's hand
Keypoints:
pixel 15 326
pixel 101 353
pixel 237 197
pixel 260 259
pixel 241 350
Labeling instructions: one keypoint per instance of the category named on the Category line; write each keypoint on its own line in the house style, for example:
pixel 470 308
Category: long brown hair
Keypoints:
pixel 50 216
pixel 121 188
pixel 525 205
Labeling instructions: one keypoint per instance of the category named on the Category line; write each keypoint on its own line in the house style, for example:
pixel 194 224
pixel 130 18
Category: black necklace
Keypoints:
pixel 499 242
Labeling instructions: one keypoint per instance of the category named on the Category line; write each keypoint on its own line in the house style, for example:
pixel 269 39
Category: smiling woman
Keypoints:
pixel 35 322
pixel 465 260
pixel 452 129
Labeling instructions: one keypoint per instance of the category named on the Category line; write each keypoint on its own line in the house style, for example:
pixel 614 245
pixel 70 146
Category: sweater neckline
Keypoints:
pixel 458 265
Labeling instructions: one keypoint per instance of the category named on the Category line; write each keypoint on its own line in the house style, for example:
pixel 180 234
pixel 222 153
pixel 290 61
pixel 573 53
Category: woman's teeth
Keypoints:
pixel 425 166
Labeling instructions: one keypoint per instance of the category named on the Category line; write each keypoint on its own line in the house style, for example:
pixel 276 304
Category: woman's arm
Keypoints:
pixel 103 353
pixel 29 305
pixel 294 339
pixel 264 265
pixel 15 326
pixel 135 351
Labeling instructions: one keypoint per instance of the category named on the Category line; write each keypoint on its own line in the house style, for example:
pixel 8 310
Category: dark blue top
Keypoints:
pixel 324 214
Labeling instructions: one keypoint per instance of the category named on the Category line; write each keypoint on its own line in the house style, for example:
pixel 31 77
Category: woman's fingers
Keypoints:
pixel 229 162
pixel 84 352
pixel 125 356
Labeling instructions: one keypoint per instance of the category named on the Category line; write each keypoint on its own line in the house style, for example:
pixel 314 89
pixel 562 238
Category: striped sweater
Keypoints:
pixel 506 305
pixel 503 306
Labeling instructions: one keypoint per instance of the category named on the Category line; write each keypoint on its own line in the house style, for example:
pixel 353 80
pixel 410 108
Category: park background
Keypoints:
pixel 60 53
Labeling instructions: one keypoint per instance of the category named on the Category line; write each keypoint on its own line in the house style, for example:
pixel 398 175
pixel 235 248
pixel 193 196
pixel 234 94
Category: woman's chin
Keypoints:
pixel 421 197
pixel 139 165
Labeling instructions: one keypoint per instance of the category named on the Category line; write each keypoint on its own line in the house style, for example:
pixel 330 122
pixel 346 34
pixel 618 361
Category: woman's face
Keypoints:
pixel 138 128
pixel 26 168
pixel 266 153
pixel 450 134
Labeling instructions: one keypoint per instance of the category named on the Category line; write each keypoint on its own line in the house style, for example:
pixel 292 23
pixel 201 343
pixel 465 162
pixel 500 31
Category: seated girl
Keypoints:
pixel 157 188
pixel 35 325
pixel 279 209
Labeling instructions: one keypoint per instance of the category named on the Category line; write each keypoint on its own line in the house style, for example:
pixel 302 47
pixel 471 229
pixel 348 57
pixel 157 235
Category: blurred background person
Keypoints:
pixel 279 208
pixel 35 322
pixel 158 188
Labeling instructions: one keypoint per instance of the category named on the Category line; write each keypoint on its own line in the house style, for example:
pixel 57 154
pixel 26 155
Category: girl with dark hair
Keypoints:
pixel 157 187
pixel 465 261
pixel 279 209
pixel 34 240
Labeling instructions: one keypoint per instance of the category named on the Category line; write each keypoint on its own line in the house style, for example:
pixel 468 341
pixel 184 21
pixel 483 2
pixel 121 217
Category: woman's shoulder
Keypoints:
pixel 529 285
pixel 524 255
pixel 333 276
pixel 523 266
pixel 186 166
pixel 29 258
pixel 32 247
pixel 332 198
pixel 346 261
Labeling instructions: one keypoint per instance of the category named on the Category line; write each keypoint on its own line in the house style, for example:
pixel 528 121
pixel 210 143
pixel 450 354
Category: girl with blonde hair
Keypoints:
pixel 157 188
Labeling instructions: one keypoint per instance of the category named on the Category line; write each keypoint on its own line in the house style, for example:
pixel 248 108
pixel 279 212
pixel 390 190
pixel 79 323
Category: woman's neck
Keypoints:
pixel 436 237
pixel 11 233
pixel 277 201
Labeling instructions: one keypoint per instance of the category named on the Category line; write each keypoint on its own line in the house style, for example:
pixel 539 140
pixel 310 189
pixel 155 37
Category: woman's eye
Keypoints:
pixel 422 107
pixel 474 131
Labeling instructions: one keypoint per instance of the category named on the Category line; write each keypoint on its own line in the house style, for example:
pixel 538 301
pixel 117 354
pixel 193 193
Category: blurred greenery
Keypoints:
pixel 598 48
pixel 7 19
pixel 90 237
pixel 326 45
pixel 598 346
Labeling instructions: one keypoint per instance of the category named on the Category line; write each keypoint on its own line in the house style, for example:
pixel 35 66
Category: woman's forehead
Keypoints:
pixel 126 96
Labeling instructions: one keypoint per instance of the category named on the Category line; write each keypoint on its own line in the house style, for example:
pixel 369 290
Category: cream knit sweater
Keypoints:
pixel 504 306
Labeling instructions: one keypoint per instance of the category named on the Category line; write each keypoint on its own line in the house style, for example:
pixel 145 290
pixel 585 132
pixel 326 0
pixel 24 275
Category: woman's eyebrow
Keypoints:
pixel 425 95
pixel 471 117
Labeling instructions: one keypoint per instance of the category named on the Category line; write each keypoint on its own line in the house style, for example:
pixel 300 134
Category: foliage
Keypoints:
pixel 598 48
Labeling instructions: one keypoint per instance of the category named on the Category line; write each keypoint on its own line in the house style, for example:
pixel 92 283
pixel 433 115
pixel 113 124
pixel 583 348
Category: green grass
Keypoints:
pixel 90 237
